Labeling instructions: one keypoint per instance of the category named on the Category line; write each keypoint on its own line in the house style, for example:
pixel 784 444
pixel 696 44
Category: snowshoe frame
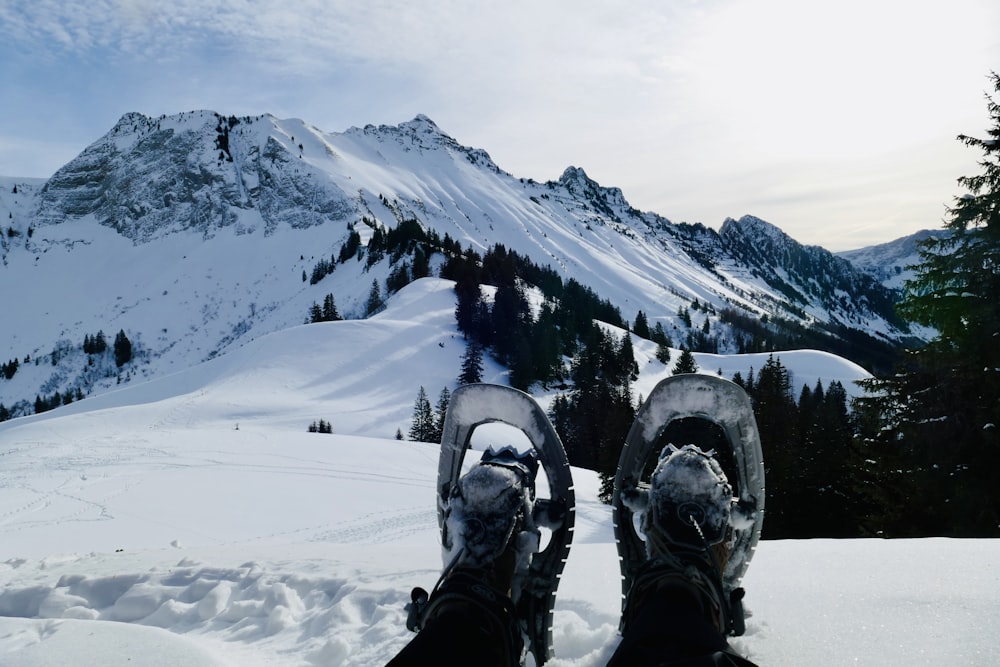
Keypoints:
pixel 471 406
pixel 716 400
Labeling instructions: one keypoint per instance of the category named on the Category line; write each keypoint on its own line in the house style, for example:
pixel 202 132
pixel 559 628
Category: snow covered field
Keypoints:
pixel 193 521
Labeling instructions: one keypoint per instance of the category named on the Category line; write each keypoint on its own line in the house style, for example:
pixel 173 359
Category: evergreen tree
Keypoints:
pixel 468 305
pixel 399 277
pixel 685 363
pixel 330 313
pixel 440 412
pixel 641 328
pixel 374 302
pixel 775 410
pixel 546 347
pixel 594 420
pixel 948 392
pixel 422 426
pixel 123 349
pixel 315 313
pixel 421 264
pixel 663 343
pixel 472 364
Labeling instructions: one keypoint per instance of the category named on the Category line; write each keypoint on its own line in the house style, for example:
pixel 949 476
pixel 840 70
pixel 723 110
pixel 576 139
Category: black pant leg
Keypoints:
pixel 671 630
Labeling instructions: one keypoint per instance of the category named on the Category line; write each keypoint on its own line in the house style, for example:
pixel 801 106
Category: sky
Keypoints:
pixel 835 121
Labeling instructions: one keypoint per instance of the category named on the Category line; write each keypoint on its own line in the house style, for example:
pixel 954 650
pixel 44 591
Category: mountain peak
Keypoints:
pixel 752 226
pixel 421 119
pixel 576 175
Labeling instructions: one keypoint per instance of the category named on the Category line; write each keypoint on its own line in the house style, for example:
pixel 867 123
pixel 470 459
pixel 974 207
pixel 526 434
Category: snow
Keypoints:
pixel 192 520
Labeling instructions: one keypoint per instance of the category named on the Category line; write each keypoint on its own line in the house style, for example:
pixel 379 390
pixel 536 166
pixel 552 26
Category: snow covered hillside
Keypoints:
pixel 192 520
pixel 194 234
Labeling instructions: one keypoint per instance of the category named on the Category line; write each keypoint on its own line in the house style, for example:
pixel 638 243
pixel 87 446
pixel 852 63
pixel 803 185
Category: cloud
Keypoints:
pixel 697 109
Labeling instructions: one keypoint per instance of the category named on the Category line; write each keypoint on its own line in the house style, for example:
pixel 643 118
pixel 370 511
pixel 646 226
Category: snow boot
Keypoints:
pixel 488 537
pixel 685 518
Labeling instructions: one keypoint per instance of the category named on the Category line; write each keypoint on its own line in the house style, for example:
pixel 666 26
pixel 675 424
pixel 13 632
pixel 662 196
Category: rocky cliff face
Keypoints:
pixel 193 172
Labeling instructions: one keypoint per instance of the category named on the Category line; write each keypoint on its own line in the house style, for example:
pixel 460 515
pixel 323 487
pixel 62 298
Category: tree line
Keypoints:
pixel 94 346
pixel 931 428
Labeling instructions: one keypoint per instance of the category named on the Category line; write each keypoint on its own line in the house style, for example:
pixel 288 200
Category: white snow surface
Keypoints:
pixel 193 521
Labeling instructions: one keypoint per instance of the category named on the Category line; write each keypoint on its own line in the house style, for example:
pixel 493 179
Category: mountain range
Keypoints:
pixel 195 233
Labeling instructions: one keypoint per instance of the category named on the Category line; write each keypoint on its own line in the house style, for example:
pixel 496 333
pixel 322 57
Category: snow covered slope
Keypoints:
pixel 192 520
pixel 194 234
pixel 891 262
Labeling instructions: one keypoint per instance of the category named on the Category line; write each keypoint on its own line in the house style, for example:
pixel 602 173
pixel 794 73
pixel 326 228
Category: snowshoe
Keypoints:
pixel 692 519
pixel 490 518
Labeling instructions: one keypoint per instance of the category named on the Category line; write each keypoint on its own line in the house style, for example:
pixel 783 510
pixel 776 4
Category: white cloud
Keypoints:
pixel 670 101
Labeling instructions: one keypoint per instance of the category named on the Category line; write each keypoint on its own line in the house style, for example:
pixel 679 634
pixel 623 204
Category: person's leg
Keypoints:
pixel 469 618
pixel 467 622
pixel 673 625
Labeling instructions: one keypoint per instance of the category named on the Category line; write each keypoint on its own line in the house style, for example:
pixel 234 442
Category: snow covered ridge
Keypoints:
pixel 195 233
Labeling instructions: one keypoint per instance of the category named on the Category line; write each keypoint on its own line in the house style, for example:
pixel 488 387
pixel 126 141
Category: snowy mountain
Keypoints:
pixel 192 520
pixel 195 233
pixel 891 263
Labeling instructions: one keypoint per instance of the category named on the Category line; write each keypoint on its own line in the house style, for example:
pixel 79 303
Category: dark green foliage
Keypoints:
pixel 774 408
pixel 685 363
pixel 9 369
pixel 532 347
pixel 399 277
pixel 322 426
pixel 374 302
pixel 350 247
pixel 663 343
pixel 123 349
pixel 440 412
pixel 95 344
pixel 810 456
pixel 422 426
pixel 641 328
pixel 322 269
pixel 593 420
pixel 330 313
pixel 472 364
pixel 325 313
pixel 931 430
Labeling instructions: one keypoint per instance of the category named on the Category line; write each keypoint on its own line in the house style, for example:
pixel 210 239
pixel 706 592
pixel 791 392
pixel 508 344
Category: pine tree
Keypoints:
pixel 330 313
pixel 659 336
pixel 422 424
pixel 472 364
pixel 685 363
pixel 374 302
pixel 775 410
pixel 123 349
pixel 949 390
pixel 440 412
pixel 467 306
pixel 315 313
pixel 641 328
